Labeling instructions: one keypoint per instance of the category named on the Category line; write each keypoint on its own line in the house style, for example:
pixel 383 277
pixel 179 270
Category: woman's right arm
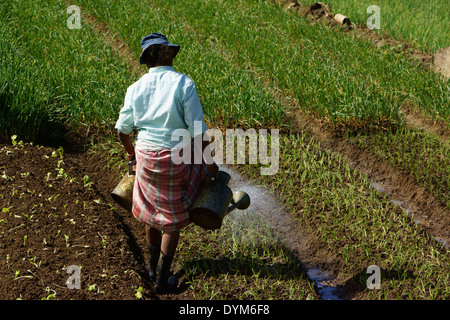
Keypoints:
pixel 125 124
pixel 126 142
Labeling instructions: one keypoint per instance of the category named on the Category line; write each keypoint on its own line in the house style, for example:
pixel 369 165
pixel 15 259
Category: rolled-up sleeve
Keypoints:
pixel 193 111
pixel 125 123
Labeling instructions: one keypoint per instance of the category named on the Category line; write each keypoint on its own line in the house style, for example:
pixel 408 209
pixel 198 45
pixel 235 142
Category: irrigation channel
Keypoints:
pixel 267 209
pixel 409 209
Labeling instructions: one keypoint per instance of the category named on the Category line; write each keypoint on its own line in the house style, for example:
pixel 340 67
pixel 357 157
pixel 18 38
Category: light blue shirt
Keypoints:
pixel 160 102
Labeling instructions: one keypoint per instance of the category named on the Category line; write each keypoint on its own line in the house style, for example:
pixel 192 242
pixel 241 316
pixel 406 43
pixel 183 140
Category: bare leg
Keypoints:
pixel 169 242
pixel 152 236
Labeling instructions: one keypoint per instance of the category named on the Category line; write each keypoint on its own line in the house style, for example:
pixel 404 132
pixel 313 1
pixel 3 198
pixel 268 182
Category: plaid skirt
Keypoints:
pixel 163 191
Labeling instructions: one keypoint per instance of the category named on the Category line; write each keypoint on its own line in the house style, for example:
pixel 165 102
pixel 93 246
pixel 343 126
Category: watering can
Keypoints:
pixel 123 193
pixel 214 200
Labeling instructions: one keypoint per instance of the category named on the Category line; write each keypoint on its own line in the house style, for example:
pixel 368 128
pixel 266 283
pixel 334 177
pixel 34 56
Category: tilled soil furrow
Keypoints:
pixel 399 186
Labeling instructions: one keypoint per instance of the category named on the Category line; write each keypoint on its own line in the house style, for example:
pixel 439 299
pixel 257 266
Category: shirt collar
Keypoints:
pixel 159 69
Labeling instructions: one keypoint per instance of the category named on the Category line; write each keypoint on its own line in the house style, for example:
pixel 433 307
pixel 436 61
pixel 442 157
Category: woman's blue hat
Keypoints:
pixel 155 38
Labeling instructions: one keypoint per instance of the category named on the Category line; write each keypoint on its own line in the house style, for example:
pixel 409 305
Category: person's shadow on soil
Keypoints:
pixel 241 265
pixel 358 283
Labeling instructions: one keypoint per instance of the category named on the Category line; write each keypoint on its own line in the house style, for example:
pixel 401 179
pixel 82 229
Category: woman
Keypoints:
pixel 160 102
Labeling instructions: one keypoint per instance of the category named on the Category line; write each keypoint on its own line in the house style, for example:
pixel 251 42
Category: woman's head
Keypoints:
pixel 157 50
pixel 159 55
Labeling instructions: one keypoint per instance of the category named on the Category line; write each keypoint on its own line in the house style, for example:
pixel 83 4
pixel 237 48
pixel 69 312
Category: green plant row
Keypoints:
pixel 230 94
pixel 67 73
pixel 52 76
pixel 356 223
pixel 328 72
pixel 418 153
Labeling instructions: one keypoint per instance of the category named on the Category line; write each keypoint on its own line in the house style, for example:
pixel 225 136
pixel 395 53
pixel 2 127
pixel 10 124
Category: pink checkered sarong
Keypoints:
pixel 163 191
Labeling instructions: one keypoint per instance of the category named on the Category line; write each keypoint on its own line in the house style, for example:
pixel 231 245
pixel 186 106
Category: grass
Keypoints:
pixel 229 93
pixel 52 76
pixel 327 72
pixel 17 91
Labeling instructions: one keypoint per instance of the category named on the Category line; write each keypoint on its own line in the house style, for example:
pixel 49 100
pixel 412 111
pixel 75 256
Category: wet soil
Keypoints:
pixel 321 266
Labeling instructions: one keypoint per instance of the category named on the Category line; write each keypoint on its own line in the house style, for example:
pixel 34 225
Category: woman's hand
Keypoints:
pixel 131 157
pixel 126 142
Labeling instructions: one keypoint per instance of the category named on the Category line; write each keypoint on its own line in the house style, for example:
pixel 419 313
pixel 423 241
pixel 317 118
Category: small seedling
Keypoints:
pixel 6 210
pixel 61 151
pixel 86 182
pixel 139 293
pixel 16 274
pixel 92 287
pixel 13 139
pixel 66 237
pixel 51 294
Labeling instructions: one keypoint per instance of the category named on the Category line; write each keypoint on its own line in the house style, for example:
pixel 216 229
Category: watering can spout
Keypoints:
pixel 240 200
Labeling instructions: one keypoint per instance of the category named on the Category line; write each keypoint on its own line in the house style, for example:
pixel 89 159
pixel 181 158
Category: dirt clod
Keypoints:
pixel 442 61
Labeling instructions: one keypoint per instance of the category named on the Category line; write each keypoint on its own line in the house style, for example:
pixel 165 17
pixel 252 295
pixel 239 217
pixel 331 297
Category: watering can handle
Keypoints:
pixel 212 177
pixel 130 167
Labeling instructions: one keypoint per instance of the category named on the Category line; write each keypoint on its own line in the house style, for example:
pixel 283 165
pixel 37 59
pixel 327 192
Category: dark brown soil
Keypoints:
pixel 49 222
pixel 419 121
